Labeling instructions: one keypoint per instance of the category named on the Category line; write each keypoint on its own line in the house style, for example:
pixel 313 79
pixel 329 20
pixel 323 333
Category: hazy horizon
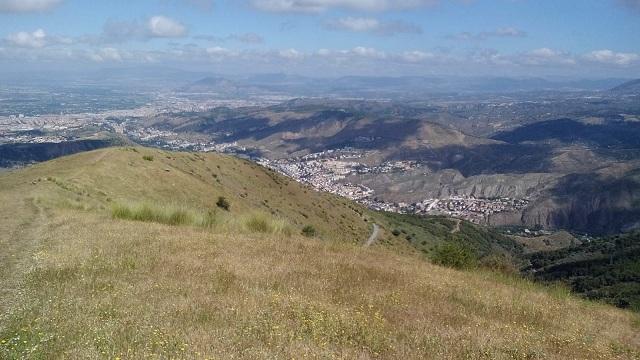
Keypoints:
pixel 326 38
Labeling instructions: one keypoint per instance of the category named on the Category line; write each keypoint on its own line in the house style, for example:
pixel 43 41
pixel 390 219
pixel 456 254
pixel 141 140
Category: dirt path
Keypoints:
pixel 99 157
pixel 18 257
pixel 374 236
pixel 456 229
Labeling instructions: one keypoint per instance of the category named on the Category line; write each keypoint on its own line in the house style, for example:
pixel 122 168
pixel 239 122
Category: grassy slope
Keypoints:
pixel 100 179
pixel 76 283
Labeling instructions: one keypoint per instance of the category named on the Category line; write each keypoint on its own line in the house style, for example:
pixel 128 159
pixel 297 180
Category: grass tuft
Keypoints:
pixel 169 215
pixel 183 216
pixel 264 224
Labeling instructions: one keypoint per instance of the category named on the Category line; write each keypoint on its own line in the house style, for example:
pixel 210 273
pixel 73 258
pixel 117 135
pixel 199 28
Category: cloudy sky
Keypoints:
pixel 574 38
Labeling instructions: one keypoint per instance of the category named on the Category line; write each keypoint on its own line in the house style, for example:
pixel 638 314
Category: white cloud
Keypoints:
pixel 509 32
pixel 246 38
pixel 612 58
pixel 164 27
pixel 368 52
pixel 21 6
pixel 503 32
pixel 490 57
pixel 36 39
pixel 416 56
pixel 372 25
pixel 105 54
pixel 291 54
pixel 355 24
pixel 546 56
pixel 317 6
pixel 120 31
pixel 358 52
pixel 220 52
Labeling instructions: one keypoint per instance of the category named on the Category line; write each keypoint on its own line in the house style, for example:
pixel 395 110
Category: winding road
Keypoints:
pixel 374 236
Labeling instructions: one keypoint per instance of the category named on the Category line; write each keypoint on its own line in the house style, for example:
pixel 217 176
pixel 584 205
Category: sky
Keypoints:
pixel 520 38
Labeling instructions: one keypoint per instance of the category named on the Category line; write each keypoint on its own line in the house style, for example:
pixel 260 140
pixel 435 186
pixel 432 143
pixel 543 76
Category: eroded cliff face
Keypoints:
pixel 602 202
pixel 417 186
pixel 589 203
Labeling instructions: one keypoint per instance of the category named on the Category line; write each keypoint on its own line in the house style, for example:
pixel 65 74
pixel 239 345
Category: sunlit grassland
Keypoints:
pixel 213 220
pixel 88 277
pixel 103 287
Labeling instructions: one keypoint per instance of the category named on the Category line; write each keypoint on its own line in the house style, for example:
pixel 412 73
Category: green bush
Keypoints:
pixel 223 203
pixel 454 255
pixel 396 232
pixel 147 158
pixel 309 231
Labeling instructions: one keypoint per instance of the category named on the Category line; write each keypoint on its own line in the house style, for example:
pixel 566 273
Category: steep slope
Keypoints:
pixel 603 202
pixel 76 281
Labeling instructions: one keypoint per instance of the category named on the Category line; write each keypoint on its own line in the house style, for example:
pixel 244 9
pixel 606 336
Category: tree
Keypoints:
pixel 223 203
pixel 454 255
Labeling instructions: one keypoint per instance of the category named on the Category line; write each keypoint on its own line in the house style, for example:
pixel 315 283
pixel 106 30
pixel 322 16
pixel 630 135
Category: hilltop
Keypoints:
pixel 130 253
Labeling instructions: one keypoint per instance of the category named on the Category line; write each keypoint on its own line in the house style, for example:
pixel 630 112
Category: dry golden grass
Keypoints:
pixel 84 285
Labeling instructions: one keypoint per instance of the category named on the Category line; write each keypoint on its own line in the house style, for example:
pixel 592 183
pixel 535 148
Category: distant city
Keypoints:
pixel 325 170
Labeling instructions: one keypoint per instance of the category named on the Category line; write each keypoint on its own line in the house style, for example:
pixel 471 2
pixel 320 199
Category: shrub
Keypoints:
pixel 147 158
pixel 396 232
pixel 454 255
pixel 309 231
pixel 499 263
pixel 223 203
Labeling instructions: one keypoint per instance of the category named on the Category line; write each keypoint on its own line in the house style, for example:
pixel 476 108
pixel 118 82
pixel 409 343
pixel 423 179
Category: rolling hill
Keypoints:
pixel 130 253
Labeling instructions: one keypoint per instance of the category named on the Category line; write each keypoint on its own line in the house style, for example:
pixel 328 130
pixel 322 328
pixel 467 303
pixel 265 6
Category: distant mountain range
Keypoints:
pixel 386 87
pixel 632 86
pixel 154 77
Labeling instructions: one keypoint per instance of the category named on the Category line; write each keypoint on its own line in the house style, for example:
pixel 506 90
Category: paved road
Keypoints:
pixel 374 236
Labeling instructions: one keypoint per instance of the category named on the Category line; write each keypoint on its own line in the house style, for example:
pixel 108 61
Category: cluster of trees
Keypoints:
pixel 606 269
pixel 460 245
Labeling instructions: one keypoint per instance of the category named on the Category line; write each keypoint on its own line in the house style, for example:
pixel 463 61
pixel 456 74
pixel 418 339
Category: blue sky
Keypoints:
pixel 573 38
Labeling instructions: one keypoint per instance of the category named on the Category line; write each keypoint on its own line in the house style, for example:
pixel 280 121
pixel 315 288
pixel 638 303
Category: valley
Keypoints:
pixel 539 163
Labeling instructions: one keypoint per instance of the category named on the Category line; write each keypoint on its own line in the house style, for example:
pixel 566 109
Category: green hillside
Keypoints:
pixel 606 269
pixel 128 253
